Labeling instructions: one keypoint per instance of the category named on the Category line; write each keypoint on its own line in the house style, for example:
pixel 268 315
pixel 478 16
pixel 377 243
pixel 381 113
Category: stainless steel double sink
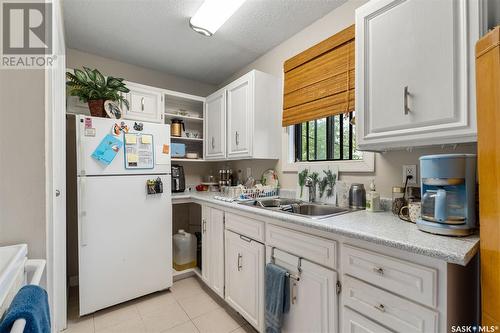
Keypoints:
pixel 298 207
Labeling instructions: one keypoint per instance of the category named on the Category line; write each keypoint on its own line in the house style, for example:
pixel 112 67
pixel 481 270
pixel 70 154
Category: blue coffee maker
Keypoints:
pixel 448 184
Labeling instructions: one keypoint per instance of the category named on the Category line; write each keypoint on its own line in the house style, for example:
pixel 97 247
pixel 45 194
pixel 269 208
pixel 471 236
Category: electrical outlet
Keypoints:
pixel 249 172
pixel 410 170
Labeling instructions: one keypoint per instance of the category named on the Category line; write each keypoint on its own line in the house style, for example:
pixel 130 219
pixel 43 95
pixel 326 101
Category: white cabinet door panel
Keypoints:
pixel 215 126
pixel 315 304
pixel 240 95
pixel 216 252
pixel 415 84
pixel 419 55
pixel 245 277
pixel 205 244
pixel 145 103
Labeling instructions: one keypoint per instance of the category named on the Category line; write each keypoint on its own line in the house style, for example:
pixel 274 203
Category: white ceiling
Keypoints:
pixel 156 33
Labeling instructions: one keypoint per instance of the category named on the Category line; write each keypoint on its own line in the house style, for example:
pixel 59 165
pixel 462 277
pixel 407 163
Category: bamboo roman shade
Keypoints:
pixel 319 82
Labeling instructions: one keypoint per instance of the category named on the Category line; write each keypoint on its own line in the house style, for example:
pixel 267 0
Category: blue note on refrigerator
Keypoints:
pixel 107 149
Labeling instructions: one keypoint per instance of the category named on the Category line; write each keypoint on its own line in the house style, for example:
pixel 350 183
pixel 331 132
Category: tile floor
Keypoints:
pixel 188 307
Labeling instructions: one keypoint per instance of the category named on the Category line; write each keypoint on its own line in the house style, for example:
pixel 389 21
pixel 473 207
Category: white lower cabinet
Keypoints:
pixel 212 229
pixel 244 263
pixel 394 312
pixel 353 322
pixel 382 290
pixel 314 301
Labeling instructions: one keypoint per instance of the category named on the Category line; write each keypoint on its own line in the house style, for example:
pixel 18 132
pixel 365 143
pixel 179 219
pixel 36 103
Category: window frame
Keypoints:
pixel 330 137
pixel 289 165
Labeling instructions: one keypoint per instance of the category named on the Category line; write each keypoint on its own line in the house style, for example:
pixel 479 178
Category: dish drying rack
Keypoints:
pixel 239 193
pixel 254 193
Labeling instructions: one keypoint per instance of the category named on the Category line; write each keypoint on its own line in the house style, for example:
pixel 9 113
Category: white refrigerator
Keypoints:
pixel 124 233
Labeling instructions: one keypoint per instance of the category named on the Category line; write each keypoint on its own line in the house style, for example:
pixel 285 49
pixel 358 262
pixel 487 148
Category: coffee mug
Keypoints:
pixel 413 211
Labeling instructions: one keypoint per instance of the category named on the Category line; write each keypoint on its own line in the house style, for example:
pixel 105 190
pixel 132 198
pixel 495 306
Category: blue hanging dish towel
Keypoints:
pixel 32 304
pixel 277 297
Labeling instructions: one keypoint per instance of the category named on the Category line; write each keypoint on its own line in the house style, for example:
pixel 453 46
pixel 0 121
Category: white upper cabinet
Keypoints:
pixel 239 116
pixel 215 125
pixel 415 72
pixel 145 103
pixel 250 106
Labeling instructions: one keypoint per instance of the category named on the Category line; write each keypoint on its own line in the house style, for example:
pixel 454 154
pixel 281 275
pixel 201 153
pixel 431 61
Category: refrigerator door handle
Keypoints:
pixel 81 157
pixel 82 212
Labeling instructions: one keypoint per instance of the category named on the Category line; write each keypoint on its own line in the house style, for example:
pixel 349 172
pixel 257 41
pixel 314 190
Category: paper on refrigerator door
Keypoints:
pixel 130 139
pixel 162 158
pixel 107 149
pixel 146 139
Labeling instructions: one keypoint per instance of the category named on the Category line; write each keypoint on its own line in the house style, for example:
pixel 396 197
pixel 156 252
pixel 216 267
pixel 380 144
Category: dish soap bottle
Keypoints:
pixel 373 199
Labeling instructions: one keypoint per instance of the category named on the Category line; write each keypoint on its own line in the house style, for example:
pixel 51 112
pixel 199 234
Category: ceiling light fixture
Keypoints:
pixel 212 14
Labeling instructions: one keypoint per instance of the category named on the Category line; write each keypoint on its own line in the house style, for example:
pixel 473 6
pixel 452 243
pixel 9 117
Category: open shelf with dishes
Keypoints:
pixel 184 113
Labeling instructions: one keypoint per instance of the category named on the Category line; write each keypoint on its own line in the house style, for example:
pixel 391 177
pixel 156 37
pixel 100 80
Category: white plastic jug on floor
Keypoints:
pixel 184 250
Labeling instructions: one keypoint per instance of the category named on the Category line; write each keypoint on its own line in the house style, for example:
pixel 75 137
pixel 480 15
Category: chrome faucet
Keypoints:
pixel 311 184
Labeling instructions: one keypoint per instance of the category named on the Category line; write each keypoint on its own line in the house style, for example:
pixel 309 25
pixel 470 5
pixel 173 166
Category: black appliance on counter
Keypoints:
pixel 178 180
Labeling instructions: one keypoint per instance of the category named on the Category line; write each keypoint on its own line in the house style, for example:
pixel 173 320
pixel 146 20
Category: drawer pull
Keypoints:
pixel 246 239
pixel 378 270
pixel 380 307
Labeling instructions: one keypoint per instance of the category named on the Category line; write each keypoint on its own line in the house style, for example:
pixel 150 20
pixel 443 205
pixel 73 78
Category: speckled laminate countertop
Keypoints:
pixel 381 228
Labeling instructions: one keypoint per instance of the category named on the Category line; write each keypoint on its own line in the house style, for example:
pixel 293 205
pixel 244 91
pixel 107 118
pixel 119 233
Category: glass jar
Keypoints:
pixel 398 200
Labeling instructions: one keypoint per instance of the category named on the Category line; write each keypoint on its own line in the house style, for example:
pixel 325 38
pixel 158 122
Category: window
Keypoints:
pixel 326 139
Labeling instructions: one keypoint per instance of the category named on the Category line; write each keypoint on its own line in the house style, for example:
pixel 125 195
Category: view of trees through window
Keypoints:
pixel 327 139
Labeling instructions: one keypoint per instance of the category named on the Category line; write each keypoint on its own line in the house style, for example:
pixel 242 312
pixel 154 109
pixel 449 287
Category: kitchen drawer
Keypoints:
pixel 392 311
pixel 353 322
pixel 319 250
pixel 412 281
pixel 245 226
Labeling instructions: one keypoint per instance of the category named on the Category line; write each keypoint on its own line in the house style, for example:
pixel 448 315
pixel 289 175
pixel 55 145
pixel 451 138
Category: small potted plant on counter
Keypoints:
pixel 91 87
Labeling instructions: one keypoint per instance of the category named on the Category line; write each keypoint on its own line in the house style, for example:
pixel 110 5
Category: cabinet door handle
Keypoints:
pixel 237 138
pixel 213 143
pixel 380 307
pixel 240 265
pixel 204 226
pixel 405 97
pixel 142 104
pixel 378 270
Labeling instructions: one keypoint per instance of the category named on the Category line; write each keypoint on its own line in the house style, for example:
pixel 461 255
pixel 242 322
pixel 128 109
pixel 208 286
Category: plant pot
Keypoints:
pixel 96 107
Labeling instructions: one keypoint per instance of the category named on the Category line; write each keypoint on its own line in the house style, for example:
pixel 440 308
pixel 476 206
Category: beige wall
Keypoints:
pixel 77 59
pixel 22 160
pixel 388 166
